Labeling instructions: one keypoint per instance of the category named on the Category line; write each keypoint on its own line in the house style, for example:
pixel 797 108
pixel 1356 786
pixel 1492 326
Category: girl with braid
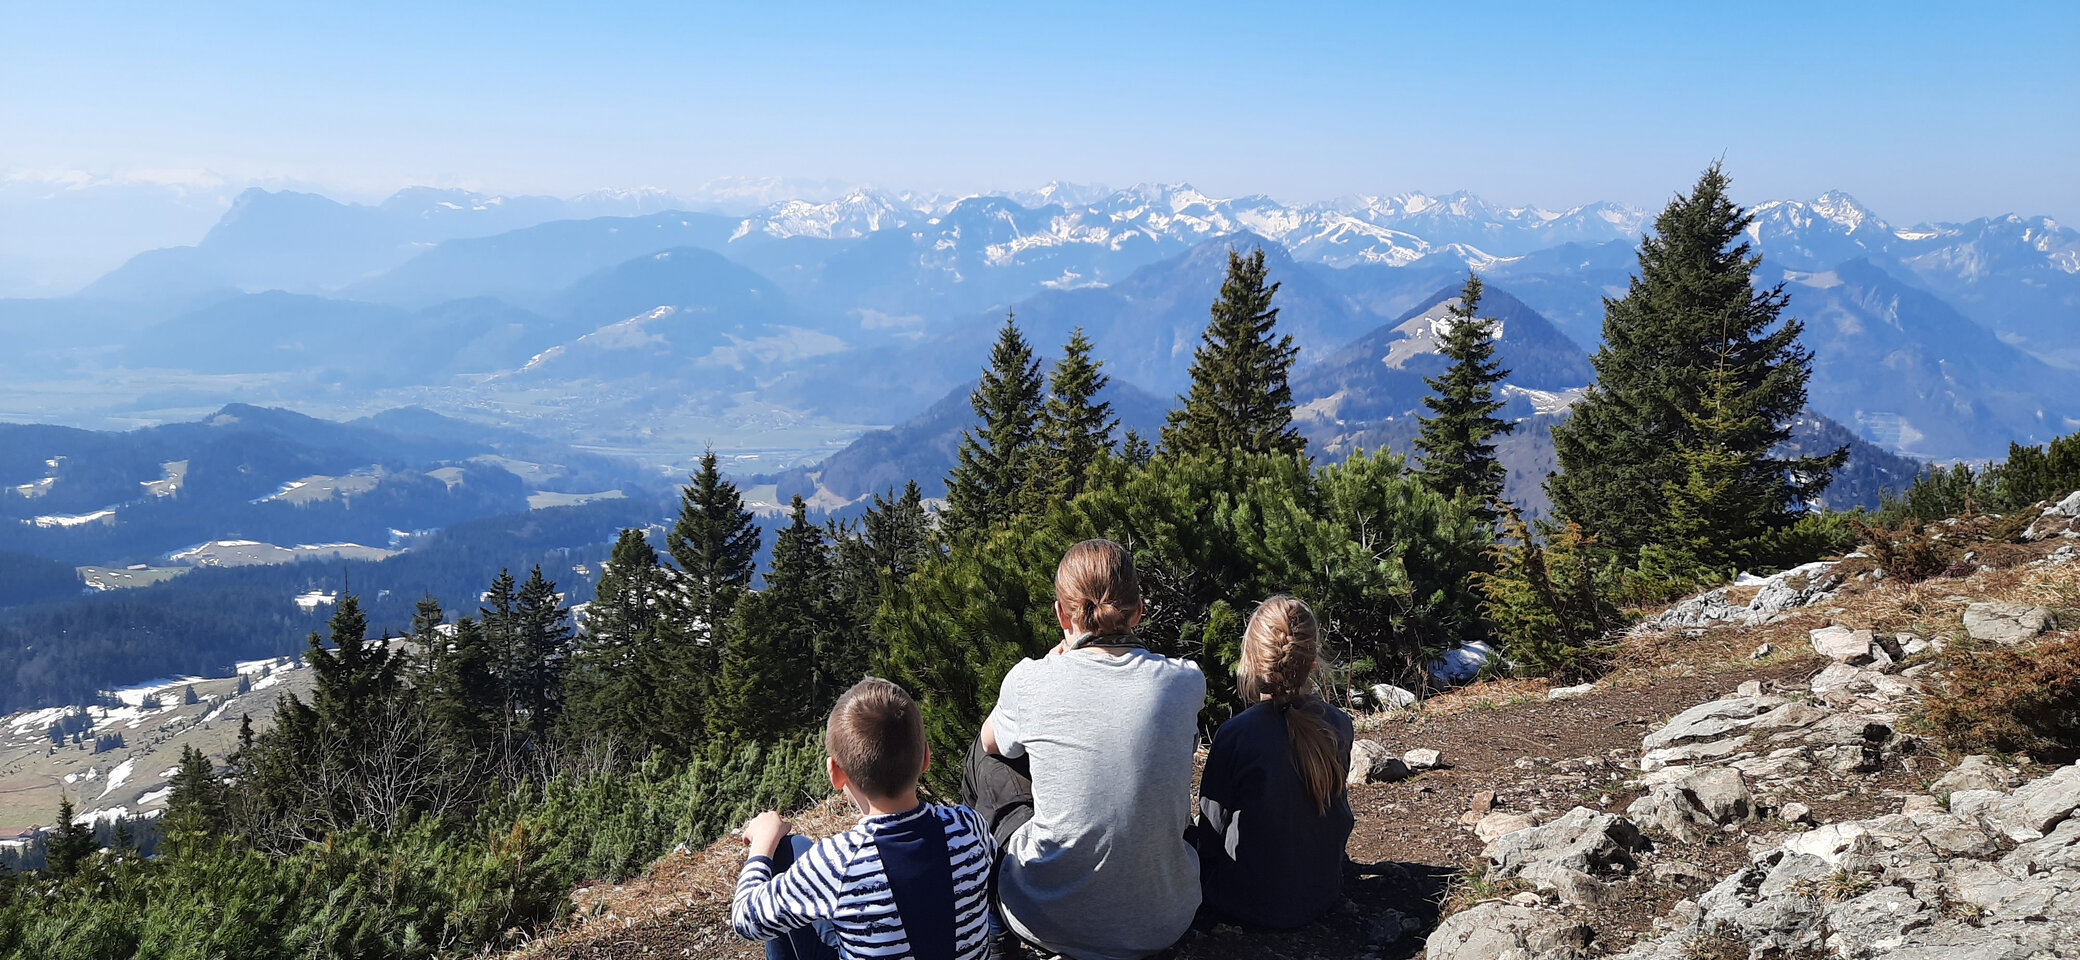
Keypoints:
pixel 1273 813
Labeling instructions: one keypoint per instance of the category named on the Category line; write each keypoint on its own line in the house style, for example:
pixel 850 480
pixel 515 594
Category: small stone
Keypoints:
pixel 1796 812
pixel 1527 899
pixel 1919 803
pixel 1912 645
pixel 1389 696
pixel 1580 889
pixel 1483 801
pixel 1372 762
pixel 1751 688
pixel 1423 759
pixel 1762 651
pixel 1562 693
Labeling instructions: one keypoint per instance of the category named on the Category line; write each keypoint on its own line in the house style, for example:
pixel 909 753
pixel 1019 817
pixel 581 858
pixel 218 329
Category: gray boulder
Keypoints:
pixel 1372 762
pixel 1423 759
pixel 1711 720
pixel 1843 645
pixel 1584 840
pixel 2007 624
pixel 2035 807
pixel 1976 772
pixel 1494 930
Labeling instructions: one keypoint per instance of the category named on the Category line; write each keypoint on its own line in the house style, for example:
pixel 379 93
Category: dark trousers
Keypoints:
pixel 998 788
pixel 819 941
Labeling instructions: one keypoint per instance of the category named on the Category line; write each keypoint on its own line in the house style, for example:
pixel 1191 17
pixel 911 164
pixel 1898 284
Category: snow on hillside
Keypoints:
pixel 155 722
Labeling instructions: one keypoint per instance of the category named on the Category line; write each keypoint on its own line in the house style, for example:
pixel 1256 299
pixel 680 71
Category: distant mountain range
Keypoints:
pixel 788 327
pixel 161 496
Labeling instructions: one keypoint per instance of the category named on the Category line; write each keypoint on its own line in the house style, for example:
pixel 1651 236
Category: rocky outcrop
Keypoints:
pixel 2061 519
pixel 2007 624
pixel 1921 885
pixel 1495 930
pixel 1582 841
pixel 1777 596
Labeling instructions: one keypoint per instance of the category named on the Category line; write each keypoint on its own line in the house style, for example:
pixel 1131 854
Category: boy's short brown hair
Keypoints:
pixel 876 734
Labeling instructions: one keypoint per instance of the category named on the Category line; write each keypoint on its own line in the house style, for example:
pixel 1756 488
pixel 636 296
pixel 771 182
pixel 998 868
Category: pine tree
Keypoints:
pixel 995 459
pixel 461 695
pixel 1691 309
pixel 68 845
pixel 790 643
pixel 1239 401
pixel 715 545
pixel 544 636
pixel 502 646
pixel 196 807
pixel 427 637
pixel 1075 427
pixel 1717 493
pixel 881 548
pixel 188 697
pixel 609 693
pixel 1456 456
pixel 1134 450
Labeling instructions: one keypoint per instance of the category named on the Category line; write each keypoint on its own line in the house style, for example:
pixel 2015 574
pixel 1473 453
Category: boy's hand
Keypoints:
pixel 764 832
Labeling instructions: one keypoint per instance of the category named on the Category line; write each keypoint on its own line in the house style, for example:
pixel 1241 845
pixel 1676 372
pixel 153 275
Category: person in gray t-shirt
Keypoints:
pixel 1103 733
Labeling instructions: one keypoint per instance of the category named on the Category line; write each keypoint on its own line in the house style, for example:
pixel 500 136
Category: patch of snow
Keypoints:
pixel 315 598
pixel 155 797
pixel 54 520
pixel 118 776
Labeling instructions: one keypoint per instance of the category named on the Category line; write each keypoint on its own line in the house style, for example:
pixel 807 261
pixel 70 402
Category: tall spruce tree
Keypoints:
pixel 790 644
pixel 1075 426
pixel 68 845
pixel 1691 310
pixel 502 646
pixel 544 637
pixel 1455 455
pixel 609 693
pixel 461 694
pixel 881 548
pixel 994 464
pixel 714 542
pixel 196 807
pixel 1239 401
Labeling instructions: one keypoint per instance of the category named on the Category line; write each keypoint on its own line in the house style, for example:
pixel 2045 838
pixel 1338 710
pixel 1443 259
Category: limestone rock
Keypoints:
pixel 1976 772
pixel 2006 623
pixel 1499 824
pixel 1386 695
pixel 1372 762
pixel 1710 720
pixel 1843 645
pixel 1598 844
pixel 1423 759
pixel 1493 930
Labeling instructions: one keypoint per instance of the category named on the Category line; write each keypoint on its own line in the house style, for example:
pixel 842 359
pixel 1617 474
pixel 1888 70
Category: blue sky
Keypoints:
pixel 1920 110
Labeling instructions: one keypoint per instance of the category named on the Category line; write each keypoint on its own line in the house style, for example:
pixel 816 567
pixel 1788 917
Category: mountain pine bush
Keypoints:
pixel 1382 558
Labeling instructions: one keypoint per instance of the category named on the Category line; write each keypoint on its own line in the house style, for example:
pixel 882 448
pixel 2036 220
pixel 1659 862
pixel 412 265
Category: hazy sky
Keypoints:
pixel 1921 110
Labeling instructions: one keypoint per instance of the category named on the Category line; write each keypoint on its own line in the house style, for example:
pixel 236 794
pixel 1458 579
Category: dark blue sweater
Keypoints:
pixel 1266 856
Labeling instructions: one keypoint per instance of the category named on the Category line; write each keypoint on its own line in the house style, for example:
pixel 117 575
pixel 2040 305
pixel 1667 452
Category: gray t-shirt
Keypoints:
pixel 1102 871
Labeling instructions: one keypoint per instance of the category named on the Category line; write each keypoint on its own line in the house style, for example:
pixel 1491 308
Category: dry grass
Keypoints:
pixel 700 881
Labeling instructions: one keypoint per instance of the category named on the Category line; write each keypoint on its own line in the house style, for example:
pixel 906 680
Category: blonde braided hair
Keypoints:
pixel 1281 657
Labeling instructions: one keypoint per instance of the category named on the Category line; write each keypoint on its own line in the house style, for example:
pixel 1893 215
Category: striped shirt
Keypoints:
pixel 912 884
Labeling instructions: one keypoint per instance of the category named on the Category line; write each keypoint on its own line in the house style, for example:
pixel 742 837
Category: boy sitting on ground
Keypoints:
pixel 909 880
